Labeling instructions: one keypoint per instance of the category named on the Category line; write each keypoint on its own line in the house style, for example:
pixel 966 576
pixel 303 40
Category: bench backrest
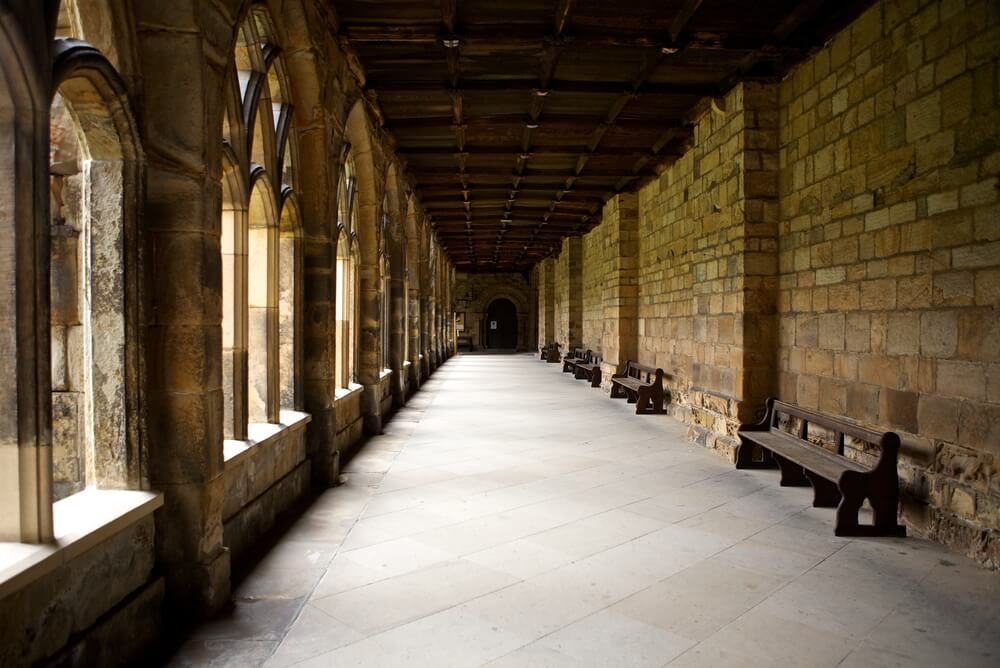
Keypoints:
pixel 887 441
pixel 647 374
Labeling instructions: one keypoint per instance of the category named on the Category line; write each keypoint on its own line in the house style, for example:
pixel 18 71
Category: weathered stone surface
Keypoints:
pixel 37 621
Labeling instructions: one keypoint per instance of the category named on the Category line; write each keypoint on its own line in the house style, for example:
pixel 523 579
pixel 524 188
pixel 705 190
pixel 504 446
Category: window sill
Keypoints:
pixel 385 373
pixel 264 433
pixel 81 521
pixel 407 363
pixel 350 390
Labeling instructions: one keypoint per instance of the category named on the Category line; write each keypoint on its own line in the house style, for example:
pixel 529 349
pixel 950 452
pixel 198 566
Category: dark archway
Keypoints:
pixel 501 324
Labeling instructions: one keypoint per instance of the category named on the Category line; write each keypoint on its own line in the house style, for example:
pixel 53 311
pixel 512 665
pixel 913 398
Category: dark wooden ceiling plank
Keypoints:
pixel 449 15
pixel 555 87
pixel 683 16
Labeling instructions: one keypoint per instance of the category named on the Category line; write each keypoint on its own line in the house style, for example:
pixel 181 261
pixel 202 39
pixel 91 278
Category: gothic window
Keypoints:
pixel 347 302
pixel 261 235
pixel 386 314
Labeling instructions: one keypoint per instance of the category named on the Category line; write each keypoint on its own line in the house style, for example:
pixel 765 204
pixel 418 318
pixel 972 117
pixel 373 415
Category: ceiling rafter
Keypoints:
pixel 517 121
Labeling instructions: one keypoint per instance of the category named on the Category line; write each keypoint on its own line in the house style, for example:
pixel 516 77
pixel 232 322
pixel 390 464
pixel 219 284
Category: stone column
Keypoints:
pixel 182 220
pixel 573 250
pixel 620 341
pixel 318 326
pixel 25 395
pixel 397 295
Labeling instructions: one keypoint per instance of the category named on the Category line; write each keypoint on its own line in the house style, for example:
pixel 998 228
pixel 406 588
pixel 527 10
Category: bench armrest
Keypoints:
pixel 764 424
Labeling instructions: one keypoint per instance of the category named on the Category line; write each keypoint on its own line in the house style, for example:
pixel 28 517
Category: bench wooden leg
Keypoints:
pixel 617 391
pixel 580 374
pixel 856 487
pixel 650 402
pixel 752 456
pixel 825 493
pixel 642 401
pixel 792 474
pixel 595 378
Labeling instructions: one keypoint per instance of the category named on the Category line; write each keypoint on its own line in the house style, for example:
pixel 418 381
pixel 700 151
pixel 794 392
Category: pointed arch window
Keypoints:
pixel 346 301
pixel 261 235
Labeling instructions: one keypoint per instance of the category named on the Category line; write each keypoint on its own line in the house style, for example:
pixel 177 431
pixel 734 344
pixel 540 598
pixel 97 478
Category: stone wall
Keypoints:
pixel 833 240
pixel 568 294
pixel 475 292
pixel 85 603
pixel 545 272
pixel 610 285
pixel 707 267
pixel 263 480
pixel 349 423
pixel 890 250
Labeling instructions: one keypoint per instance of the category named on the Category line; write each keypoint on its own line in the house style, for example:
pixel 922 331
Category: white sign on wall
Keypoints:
pixel 493 324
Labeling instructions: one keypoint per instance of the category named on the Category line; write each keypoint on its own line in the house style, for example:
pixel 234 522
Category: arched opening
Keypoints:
pixel 94 182
pixel 501 325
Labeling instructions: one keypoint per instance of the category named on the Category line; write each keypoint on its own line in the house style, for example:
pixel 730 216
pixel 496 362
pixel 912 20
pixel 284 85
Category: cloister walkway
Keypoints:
pixel 511 516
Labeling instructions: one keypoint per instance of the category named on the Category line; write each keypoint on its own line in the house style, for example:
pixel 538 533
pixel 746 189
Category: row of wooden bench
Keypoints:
pixel 636 383
pixel 783 440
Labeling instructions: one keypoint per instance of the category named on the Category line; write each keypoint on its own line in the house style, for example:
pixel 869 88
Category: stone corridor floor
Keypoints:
pixel 511 516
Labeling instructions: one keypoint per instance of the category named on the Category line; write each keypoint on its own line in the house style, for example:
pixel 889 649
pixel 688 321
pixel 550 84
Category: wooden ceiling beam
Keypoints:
pixel 504 151
pixel 555 87
pixel 683 16
pixel 535 172
pixel 523 189
pixel 531 37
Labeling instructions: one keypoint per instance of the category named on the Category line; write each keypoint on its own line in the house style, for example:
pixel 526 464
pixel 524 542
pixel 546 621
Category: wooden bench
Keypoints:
pixel 550 352
pixel 574 357
pixel 589 370
pixel 837 482
pixel 641 385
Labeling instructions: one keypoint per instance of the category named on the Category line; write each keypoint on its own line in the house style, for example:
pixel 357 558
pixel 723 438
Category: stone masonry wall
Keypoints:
pixel 475 292
pixel 610 284
pixel 568 302
pixel 890 250
pixel 707 267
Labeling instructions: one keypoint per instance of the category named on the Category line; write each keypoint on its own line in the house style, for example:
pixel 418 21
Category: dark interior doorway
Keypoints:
pixel 501 324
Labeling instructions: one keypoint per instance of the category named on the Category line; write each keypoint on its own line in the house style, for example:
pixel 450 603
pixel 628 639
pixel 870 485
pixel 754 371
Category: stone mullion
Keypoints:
pixel 414 325
pixel 397 294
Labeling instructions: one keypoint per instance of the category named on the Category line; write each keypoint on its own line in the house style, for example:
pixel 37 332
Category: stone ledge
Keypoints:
pixel 263 434
pixel 81 521
pixel 345 392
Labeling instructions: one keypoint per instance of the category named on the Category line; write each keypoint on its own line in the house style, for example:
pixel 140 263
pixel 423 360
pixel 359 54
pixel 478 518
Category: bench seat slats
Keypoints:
pixel 827 464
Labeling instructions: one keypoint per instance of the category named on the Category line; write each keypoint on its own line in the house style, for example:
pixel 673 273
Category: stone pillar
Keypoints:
pixel 318 325
pixel 25 395
pixel 546 303
pixel 397 293
pixel 620 294
pixel 573 252
pixel 182 226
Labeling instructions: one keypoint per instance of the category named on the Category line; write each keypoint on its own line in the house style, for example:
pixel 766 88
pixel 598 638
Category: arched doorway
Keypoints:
pixel 501 324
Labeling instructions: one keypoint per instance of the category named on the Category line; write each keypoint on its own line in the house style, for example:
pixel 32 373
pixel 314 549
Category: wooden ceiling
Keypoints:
pixel 518 119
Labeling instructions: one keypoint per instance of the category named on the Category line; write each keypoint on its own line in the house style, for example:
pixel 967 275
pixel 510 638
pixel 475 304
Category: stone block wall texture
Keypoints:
pixel 610 285
pixel 475 292
pixel 261 483
pixel 568 297
pixel 834 240
pixel 707 267
pixel 545 272
pixel 890 250
pixel 71 605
